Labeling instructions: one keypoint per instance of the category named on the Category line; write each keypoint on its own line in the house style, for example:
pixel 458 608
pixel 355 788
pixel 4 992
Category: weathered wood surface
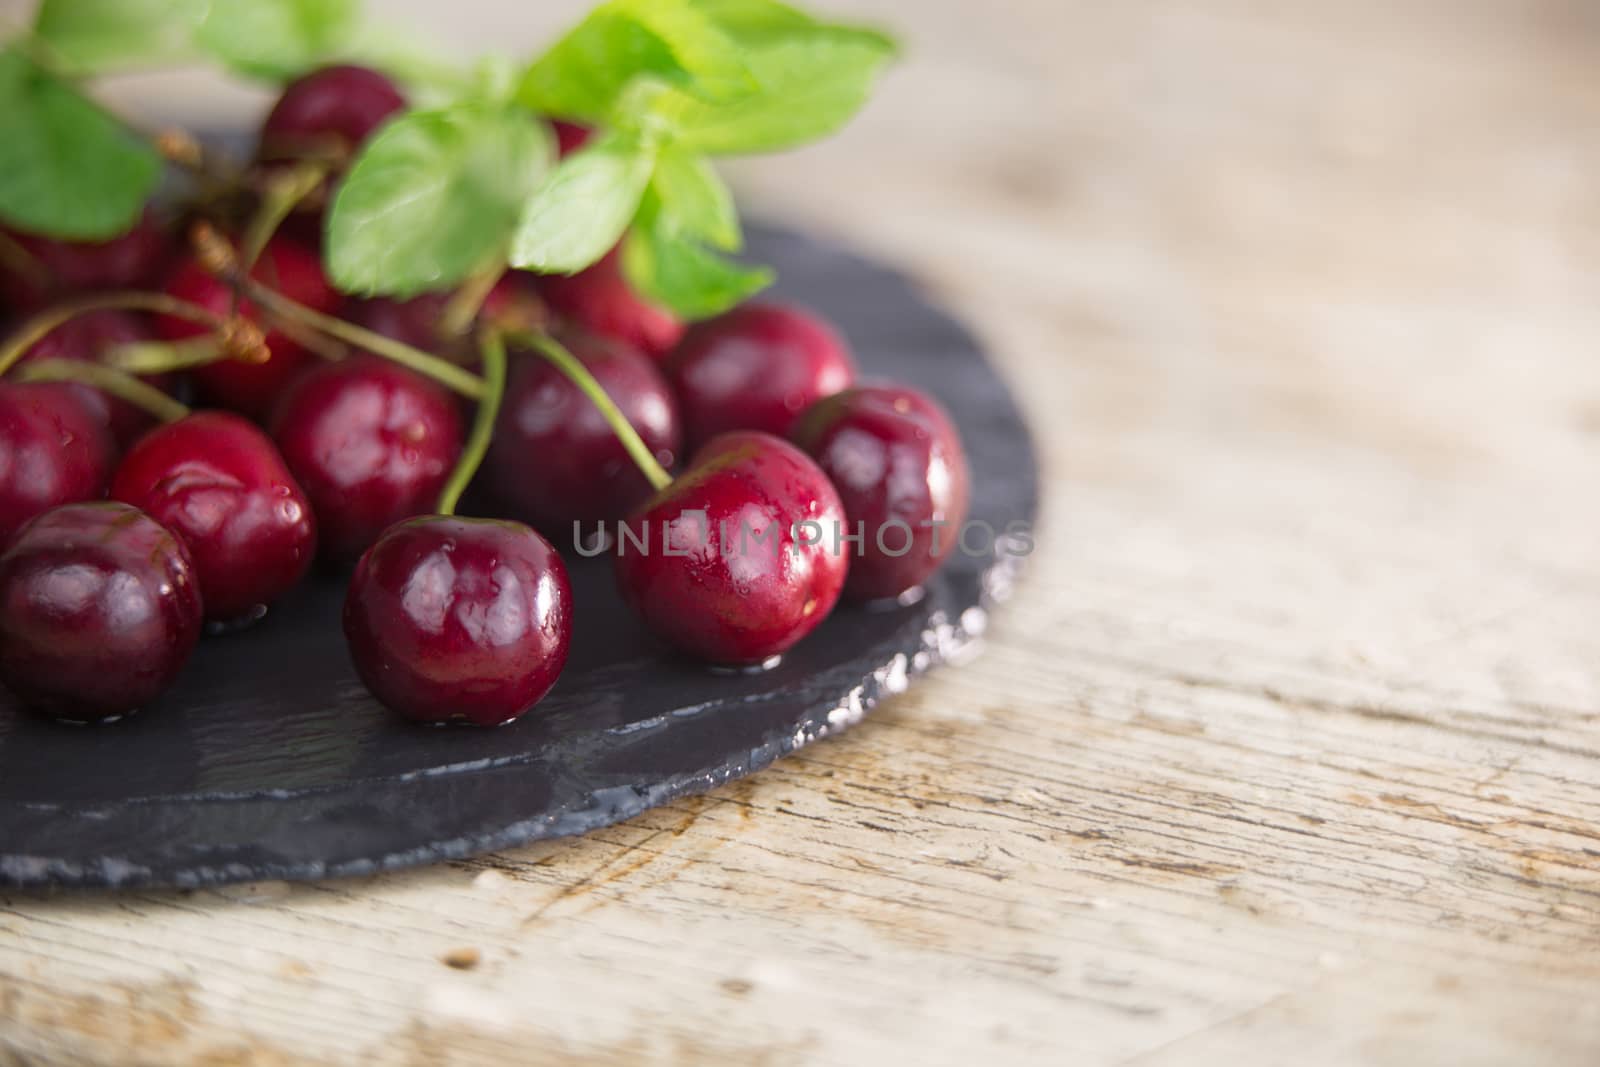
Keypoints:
pixel 1289 749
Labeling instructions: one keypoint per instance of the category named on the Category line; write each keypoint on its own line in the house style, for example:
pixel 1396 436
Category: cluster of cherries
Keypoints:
pixel 215 514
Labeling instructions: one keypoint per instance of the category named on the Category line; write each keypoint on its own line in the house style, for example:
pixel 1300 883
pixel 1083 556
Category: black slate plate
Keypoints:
pixel 269 761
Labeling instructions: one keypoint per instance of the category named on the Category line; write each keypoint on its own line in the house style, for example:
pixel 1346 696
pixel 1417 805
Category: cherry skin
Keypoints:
pixel 459 619
pixel 601 300
pixel 334 109
pixel 49 268
pixel 219 483
pixel 53 451
pixel 555 460
pixel 371 443
pixel 570 136
pixel 753 577
pixel 85 339
pixel 99 611
pixel 252 388
pixel 897 462
pixel 756 367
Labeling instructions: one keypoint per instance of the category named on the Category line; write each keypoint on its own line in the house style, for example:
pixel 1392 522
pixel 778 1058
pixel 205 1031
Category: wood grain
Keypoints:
pixel 1288 749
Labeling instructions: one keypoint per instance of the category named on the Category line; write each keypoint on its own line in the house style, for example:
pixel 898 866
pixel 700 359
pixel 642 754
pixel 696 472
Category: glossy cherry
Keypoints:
pixel 53 451
pixel 371 443
pixel 742 555
pixel 252 388
pixel 459 619
pixel 330 110
pixel 555 460
pixel 601 300
pixel 219 483
pixel 897 462
pixel 49 268
pixel 756 367
pixel 99 611
pixel 86 338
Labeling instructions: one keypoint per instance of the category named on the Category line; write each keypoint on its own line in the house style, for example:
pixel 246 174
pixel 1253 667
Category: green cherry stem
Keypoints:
pixel 283 193
pixel 493 349
pixel 468 300
pixel 442 371
pixel 564 361
pixel 37 328
pixel 163 357
pixel 118 383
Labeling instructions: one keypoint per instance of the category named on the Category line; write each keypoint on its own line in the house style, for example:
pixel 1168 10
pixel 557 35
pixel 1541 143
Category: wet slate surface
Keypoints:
pixel 269 761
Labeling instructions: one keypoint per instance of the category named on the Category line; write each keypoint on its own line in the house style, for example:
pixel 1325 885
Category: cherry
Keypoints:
pixel 86 338
pixel 252 388
pixel 555 460
pixel 742 554
pixel 601 300
pixel 333 109
pixel 99 611
pixel 570 136
pixel 53 451
pixel 756 367
pixel 218 483
pixel 459 619
pixel 897 462
pixel 371 442
pixel 48 267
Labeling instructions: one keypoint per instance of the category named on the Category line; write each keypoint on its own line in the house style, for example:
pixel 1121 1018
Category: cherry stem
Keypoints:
pixel 565 362
pixel 163 357
pixel 493 349
pixel 468 300
pixel 40 326
pixel 16 258
pixel 118 383
pixel 284 192
pixel 442 371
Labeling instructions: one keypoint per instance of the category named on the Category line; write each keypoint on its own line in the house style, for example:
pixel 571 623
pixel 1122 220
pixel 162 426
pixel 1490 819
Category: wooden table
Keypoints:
pixel 1288 751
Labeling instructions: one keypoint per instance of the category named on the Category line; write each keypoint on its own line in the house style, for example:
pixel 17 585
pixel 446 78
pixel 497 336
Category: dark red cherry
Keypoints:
pixel 252 388
pixel 555 460
pixel 570 136
pixel 219 483
pixel 459 619
pixel 601 300
pixel 42 268
pixel 897 462
pixel 742 555
pixel 331 110
pixel 86 338
pixel 371 443
pixel 756 367
pixel 99 611
pixel 53 451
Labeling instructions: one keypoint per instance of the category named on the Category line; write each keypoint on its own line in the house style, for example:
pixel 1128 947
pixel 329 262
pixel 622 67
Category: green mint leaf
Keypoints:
pixel 813 82
pixel 693 281
pixel 91 36
pixel 277 39
pixel 585 73
pixel 695 200
pixel 433 197
pixel 583 207
pixel 67 168
pixel 756 22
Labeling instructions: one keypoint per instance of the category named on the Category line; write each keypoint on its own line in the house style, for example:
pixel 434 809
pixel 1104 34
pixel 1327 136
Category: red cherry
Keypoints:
pixel 897 462
pixel 371 442
pixel 217 482
pixel 252 388
pixel 601 300
pixel 85 339
pixel 459 619
pixel 335 107
pixel 570 136
pixel 53 451
pixel 756 368
pixel 733 571
pixel 99 611
pixel 555 460
pixel 52 267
